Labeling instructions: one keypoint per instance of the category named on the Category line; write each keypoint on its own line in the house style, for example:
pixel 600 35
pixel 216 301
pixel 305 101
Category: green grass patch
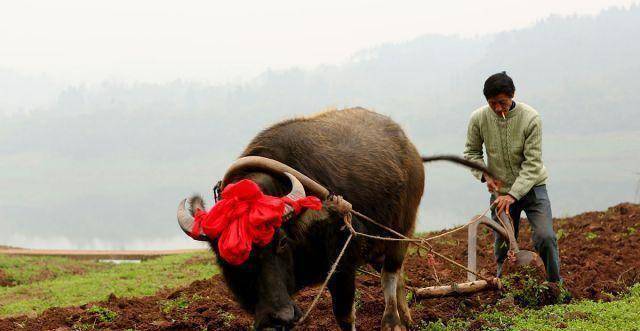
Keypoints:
pixel 623 314
pixel 452 325
pixel 20 270
pixel 98 281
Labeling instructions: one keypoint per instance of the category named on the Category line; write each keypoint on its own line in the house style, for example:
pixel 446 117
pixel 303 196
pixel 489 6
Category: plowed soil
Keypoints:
pixel 599 259
pixel 4 279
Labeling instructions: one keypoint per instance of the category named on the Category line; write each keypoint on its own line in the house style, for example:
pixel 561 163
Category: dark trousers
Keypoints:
pixel 537 207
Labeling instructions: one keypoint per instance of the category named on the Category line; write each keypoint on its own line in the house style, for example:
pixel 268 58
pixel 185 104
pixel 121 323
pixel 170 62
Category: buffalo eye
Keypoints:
pixel 283 241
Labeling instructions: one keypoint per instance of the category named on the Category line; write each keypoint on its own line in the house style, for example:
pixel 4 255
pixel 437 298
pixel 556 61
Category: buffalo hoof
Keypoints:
pixel 392 322
pixel 347 326
pixel 406 318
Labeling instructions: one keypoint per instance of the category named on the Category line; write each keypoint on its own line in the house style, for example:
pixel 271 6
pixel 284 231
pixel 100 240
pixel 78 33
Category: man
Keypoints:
pixel 512 136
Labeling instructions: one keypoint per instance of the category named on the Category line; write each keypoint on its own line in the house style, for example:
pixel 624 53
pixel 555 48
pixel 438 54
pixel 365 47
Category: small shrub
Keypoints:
pixel 564 296
pixel 82 327
pixel 431 326
pixel 409 297
pixel 178 303
pixel 528 289
pixel 591 235
pixel 227 317
pixel 631 230
pixel 103 314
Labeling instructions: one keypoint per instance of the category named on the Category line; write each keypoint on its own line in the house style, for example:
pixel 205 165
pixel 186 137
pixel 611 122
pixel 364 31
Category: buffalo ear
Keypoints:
pixel 298 227
pixel 310 216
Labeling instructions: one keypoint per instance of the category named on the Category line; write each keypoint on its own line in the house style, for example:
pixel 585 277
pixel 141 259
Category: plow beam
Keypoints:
pixel 458 289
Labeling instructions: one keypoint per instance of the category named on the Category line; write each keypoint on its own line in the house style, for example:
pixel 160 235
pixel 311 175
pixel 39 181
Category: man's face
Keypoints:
pixel 500 103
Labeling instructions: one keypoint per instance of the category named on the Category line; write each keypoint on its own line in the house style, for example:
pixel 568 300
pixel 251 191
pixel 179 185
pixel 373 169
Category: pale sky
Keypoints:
pixel 231 41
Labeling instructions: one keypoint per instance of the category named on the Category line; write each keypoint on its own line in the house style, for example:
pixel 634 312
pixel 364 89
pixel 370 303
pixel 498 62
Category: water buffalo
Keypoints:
pixel 359 154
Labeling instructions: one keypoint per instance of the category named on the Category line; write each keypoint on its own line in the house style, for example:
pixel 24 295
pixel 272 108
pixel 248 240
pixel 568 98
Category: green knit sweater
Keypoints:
pixel 513 147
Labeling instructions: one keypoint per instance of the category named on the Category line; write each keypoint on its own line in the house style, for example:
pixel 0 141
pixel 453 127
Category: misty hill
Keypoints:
pixel 103 165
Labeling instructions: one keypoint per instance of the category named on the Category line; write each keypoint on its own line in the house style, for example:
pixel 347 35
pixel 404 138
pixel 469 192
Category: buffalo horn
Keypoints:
pixel 186 220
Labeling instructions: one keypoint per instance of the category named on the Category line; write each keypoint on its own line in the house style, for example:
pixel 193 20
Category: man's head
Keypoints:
pixel 499 91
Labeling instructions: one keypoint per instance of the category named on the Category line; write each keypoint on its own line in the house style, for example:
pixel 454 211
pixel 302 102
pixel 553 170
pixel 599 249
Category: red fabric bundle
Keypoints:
pixel 245 216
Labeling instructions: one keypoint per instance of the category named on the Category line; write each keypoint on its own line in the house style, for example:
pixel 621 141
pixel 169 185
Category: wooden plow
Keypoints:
pixel 473 285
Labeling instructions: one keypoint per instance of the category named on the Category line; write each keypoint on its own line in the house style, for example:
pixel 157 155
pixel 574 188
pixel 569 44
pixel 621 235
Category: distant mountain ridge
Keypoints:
pixel 111 160
pixel 573 67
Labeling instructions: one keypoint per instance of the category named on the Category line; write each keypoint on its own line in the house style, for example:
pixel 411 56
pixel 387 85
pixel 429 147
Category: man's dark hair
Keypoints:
pixel 497 84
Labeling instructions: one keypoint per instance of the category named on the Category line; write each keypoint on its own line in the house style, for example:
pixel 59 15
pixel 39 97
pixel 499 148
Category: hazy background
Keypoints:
pixel 110 114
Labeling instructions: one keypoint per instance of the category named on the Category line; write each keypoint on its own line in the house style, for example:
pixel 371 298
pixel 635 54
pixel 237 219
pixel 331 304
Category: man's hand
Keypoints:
pixel 493 185
pixel 503 202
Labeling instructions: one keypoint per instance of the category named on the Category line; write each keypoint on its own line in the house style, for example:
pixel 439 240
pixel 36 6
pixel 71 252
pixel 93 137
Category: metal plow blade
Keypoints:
pixel 525 257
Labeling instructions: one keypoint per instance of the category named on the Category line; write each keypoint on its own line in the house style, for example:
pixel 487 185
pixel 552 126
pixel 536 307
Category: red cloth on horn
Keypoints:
pixel 245 216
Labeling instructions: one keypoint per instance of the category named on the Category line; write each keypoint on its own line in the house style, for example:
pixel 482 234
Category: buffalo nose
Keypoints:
pixel 283 318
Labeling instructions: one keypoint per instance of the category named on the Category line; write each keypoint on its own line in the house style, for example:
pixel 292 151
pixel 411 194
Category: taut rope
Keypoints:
pixel 347 211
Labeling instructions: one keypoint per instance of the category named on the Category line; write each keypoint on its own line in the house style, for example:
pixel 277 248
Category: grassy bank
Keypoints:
pixel 622 314
pixel 33 284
